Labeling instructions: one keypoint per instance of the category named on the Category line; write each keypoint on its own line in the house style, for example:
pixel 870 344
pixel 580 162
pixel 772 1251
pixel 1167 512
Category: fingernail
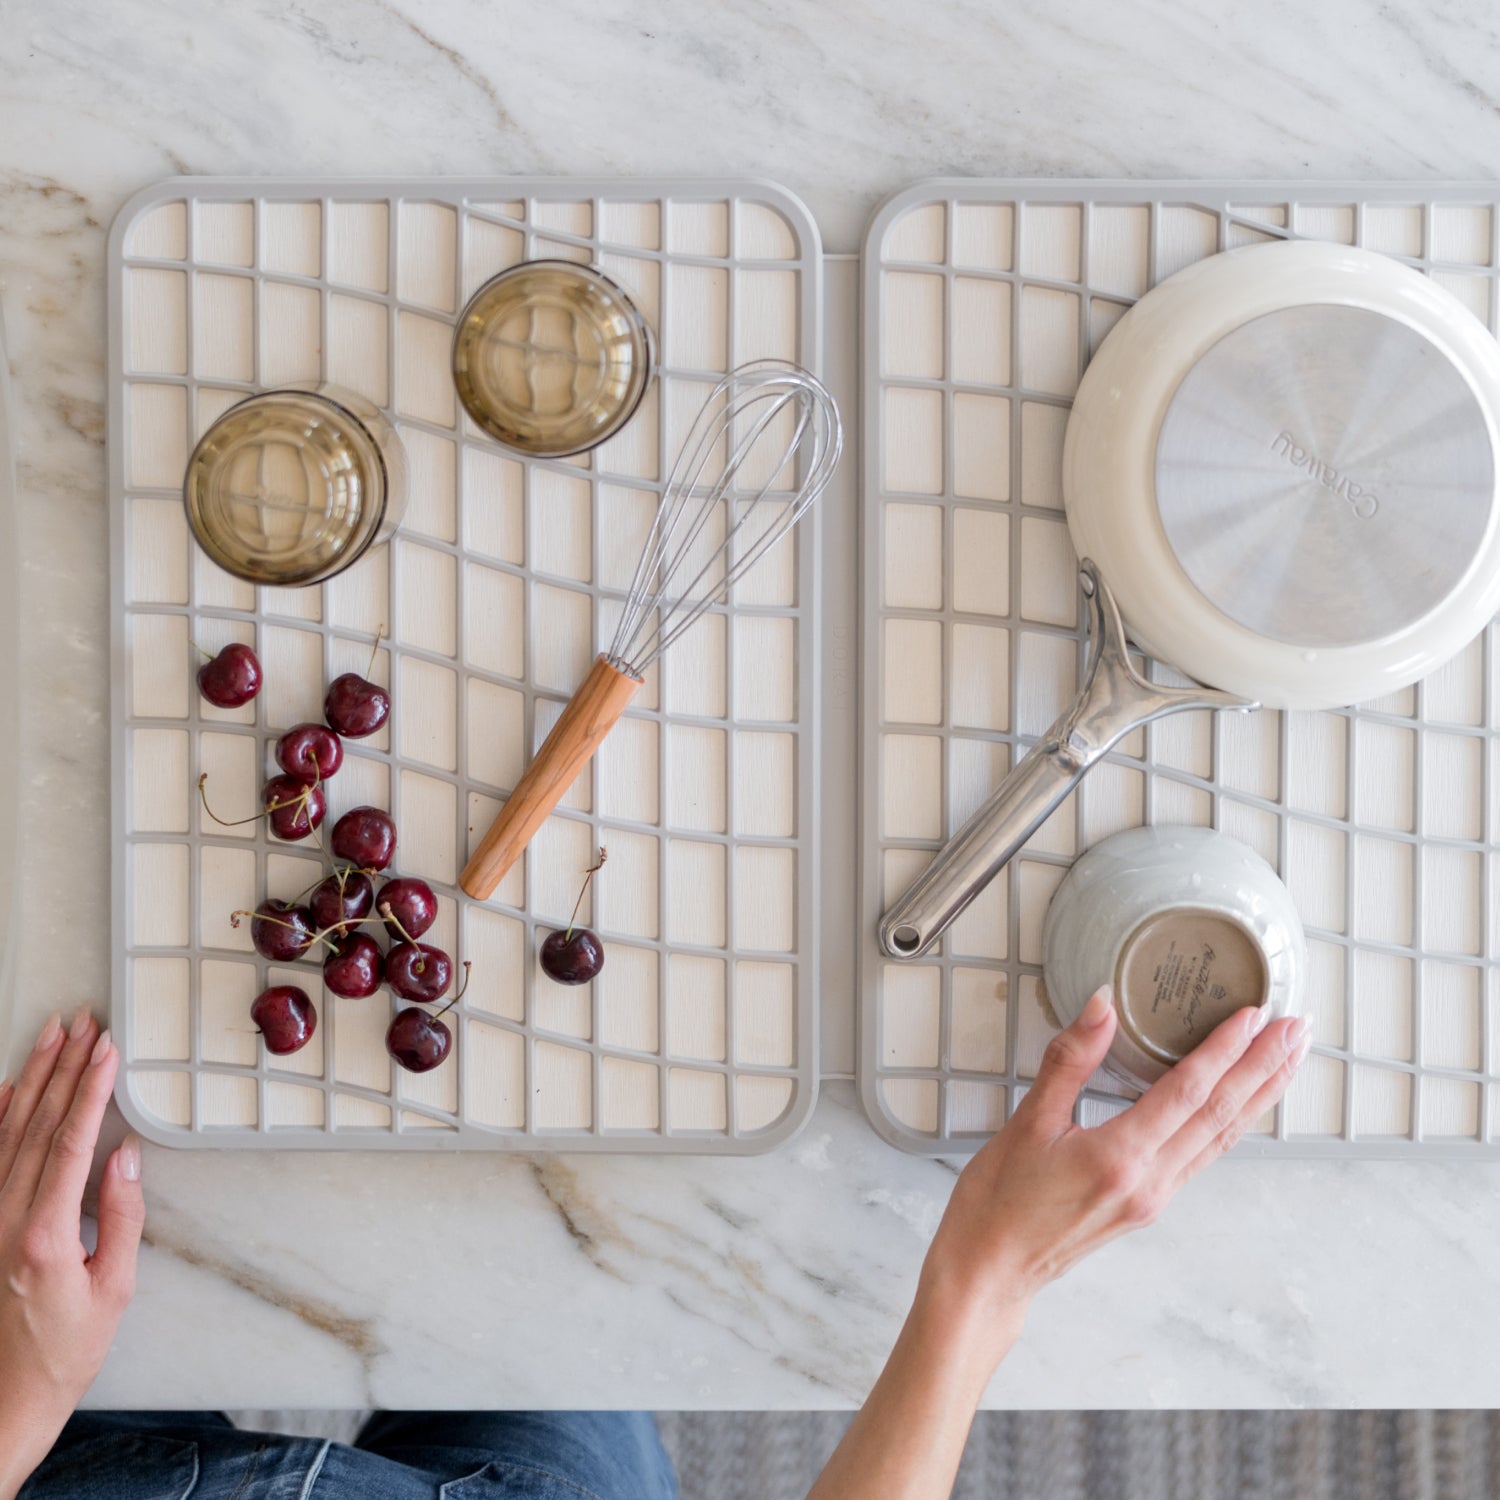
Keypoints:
pixel 1298 1039
pixel 1096 1012
pixel 130 1158
pixel 50 1032
pixel 80 1024
pixel 101 1048
pixel 1258 1018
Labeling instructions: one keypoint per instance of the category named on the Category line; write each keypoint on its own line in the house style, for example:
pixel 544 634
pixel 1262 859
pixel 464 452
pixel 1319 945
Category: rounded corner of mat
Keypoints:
pixel 148 1126
pixel 791 1124
pixel 153 195
pixel 777 195
pixel 890 1129
pixel 893 205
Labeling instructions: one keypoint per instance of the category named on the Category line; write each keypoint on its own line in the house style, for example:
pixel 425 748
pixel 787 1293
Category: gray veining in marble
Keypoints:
pixel 616 1281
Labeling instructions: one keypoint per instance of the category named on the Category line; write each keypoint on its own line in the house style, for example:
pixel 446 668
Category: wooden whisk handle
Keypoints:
pixel 590 715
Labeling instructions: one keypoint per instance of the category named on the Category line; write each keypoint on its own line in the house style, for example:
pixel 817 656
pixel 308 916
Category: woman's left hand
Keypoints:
pixel 59 1306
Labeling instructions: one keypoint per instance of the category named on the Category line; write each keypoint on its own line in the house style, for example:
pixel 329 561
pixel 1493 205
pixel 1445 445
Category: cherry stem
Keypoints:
pixel 461 992
pixel 321 935
pixel 303 799
pixel 375 651
pixel 387 915
pixel 196 647
pixel 307 890
pixel 260 916
pixel 342 872
pixel 312 832
pixel 588 875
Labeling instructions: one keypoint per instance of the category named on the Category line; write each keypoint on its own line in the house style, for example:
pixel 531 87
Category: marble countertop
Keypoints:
pixel 773 1282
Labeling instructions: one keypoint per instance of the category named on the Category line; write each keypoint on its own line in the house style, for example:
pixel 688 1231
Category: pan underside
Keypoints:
pixel 1324 476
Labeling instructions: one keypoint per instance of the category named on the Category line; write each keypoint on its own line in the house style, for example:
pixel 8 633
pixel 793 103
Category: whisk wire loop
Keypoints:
pixel 692 594
pixel 739 419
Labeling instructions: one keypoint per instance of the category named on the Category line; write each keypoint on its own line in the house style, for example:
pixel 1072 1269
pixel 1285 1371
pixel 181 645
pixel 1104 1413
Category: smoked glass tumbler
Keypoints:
pixel 551 358
pixel 291 486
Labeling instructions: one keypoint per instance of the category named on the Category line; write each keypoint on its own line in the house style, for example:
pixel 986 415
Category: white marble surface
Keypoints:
pixel 349 1281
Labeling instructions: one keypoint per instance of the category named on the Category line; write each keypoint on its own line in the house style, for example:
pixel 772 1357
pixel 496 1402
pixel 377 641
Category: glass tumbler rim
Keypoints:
pixel 336 398
pixel 642 333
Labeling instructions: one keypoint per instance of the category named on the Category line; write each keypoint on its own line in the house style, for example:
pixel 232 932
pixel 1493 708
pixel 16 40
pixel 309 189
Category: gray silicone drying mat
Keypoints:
pixel 981 303
pixel 700 1034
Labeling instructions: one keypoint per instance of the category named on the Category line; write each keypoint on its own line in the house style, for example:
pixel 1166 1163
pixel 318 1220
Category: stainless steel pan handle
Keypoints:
pixel 1114 699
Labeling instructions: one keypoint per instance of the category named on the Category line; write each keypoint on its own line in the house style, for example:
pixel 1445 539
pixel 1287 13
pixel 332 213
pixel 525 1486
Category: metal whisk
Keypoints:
pixel 758 454
pixel 740 418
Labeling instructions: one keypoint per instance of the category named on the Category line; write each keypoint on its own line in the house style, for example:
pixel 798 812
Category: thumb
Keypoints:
pixel 1071 1056
pixel 122 1215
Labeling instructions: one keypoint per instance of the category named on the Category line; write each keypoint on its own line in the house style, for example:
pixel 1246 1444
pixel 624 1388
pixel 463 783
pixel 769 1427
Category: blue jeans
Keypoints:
pixel 539 1455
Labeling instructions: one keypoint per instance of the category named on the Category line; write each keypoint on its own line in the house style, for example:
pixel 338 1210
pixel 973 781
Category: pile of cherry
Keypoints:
pixel 336 911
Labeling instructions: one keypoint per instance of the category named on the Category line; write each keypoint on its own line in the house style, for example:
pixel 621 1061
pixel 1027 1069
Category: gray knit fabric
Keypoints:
pixel 1406 1455
pixel 1107 1455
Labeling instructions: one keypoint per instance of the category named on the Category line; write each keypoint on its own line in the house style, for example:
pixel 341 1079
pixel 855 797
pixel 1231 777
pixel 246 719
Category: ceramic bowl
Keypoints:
pixel 1188 925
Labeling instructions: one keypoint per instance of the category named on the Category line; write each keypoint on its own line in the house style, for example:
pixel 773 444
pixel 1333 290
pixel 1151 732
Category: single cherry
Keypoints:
pixel 295 808
pixel 310 752
pixel 366 837
pixel 280 930
pixel 408 905
pixel 355 706
pixel 572 957
pixel 418 1042
pixel 418 971
pixel 577 955
pixel 355 968
pixel 341 901
pixel 285 1016
pixel 232 678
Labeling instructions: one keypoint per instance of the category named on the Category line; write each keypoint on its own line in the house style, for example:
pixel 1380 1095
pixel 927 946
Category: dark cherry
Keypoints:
pixel 295 808
pixel 310 752
pixel 355 706
pixel 417 971
pixel 575 955
pixel 572 957
pixel 366 837
pixel 232 678
pixel 356 968
pixel 285 1016
pixel 281 931
pixel 341 901
pixel 411 903
pixel 417 1041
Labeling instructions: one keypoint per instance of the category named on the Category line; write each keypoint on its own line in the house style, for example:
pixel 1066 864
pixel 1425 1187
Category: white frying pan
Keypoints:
pixel 1282 463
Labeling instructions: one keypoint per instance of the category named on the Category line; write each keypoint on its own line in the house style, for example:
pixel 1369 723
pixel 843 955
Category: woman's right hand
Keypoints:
pixel 1041 1194
pixel 59 1306
pixel 1044 1192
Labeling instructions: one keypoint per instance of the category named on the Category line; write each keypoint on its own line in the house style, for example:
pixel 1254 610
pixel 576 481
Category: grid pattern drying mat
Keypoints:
pixel 505 578
pixel 982 302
